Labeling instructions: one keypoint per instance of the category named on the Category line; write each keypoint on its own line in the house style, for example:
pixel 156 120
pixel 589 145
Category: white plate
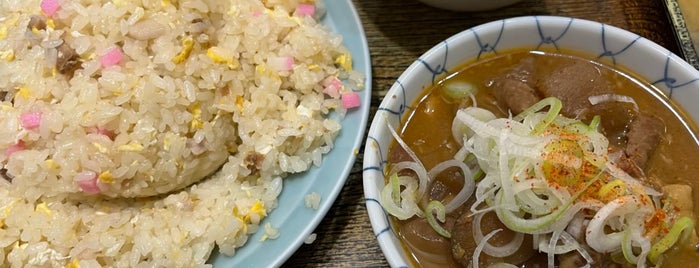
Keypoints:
pixel 293 219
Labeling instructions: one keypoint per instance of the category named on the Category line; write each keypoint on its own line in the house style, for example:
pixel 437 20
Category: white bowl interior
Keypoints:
pixel 617 47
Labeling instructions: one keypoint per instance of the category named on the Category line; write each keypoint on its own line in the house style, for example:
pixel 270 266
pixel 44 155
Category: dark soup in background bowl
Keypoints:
pixel 535 142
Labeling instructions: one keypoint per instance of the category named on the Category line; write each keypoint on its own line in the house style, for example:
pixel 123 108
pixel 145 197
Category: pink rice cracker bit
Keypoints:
pixel 87 180
pixel 50 7
pixel 113 57
pixel 351 100
pixel 281 63
pixel 30 120
pixel 256 13
pixel 19 146
pixel 333 87
pixel 101 131
pixel 305 10
pixel 196 148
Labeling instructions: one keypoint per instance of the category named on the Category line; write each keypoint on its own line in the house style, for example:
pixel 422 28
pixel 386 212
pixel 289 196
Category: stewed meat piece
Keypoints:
pixel 514 95
pixel 523 72
pixel 573 259
pixel 644 135
pixel 615 118
pixel 514 90
pixel 424 241
pixel 573 84
pixel 626 164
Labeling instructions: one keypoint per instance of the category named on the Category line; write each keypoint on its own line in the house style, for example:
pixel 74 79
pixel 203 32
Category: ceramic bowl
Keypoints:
pixel 672 75
pixel 469 5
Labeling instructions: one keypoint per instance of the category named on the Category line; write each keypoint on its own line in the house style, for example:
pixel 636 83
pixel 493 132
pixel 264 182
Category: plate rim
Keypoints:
pixel 244 255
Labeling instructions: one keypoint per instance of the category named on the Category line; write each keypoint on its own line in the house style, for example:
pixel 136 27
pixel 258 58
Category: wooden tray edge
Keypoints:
pixel 684 39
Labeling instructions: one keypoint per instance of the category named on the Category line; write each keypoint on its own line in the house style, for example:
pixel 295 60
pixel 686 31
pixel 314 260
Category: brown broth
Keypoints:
pixel 427 129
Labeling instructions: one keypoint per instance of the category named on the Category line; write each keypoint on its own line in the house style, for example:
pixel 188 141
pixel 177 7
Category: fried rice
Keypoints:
pixel 144 133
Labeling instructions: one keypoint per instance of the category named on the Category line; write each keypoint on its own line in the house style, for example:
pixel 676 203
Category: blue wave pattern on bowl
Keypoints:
pixel 617 47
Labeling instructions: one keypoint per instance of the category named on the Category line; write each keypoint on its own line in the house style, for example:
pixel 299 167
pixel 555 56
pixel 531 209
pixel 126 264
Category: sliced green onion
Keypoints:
pixel 459 90
pixel 500 251
pixel 479 174
pixel 625 210
pixel 555 236
pixel 563 162
pixel 466 190
pixel 679 231
pixel 437 207
pixel 479 248
pixel 530 202
pixel 542 224
pixel 460 130
pixel 578 128
pixel 627 248
pixel 596 160
pixel 391 200
pixel 594 124
pixel 395 188
pixel 418 167
pixel 470 158
pixel 555 108
pixel 538 225
pixel 633 239
pixel 615 187
pixel 567 238
pixel 502 265
pixel 554 105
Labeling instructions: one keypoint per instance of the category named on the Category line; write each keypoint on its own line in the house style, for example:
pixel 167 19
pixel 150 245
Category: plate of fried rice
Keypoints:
pixel 174 133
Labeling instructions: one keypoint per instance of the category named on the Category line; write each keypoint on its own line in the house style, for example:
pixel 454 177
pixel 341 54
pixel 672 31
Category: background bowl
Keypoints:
pixel 675 78
pixel 469 5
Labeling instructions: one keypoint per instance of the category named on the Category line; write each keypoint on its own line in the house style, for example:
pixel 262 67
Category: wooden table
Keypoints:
pixel 398 31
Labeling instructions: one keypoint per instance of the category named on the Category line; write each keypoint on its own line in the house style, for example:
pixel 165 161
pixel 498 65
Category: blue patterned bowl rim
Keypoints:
pixel 614 46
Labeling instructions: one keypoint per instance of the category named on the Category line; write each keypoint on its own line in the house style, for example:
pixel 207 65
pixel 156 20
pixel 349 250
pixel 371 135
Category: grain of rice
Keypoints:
pixel 310 239
pixel 312 200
